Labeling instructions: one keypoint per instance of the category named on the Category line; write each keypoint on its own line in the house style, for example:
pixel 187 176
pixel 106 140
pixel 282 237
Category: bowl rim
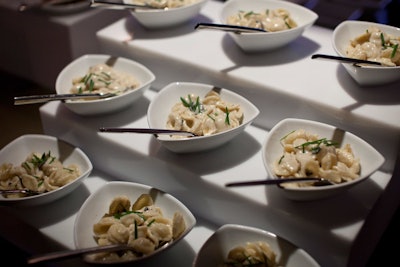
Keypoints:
pixel 52 139
pixel 379 157
pixel 349 23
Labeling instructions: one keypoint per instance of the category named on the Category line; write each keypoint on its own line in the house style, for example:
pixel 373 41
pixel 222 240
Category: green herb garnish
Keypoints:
pixel 193 106
pixel 394 51
pixel 227 116
pixel 317 144
pixel 40 161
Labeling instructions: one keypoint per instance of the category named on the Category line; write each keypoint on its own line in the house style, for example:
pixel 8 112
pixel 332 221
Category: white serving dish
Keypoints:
pixel 160 107
pixel 165 18
pixel 17 151
pixel 261 42
pixel 97 204
pixel 79 68
pixel 367 75
pixel 370 159
pixel 215 250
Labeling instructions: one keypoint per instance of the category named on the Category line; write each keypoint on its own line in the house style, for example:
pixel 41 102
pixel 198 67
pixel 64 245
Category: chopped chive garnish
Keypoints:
pixel 287 135
pixel 208 115
pixel 280 160
pixel 383 40
pixel 227 116
pixel 151 222
pixel 394 51
pixel 318 142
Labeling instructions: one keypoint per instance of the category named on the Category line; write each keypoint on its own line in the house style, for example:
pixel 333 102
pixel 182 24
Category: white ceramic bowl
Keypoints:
pixel 366 75
pixel 97 204
pixel 17 151
pixel 370 158
pixel 215 250
pixel 80 66
pixel 165 18
pixel 160 107
pixel 259 42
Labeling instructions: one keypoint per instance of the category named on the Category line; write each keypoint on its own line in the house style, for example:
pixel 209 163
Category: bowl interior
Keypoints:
pixel 81 65
pixel 160 107
pixel 98 203
pixel 215 250
pixel 17 151
pixel 370 158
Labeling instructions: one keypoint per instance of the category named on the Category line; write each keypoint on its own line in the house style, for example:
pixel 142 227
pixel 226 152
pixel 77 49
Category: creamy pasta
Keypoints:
pixel 257 254
pixel 102 78
pixel 39 172
pixel 141 226
pixel 206 116
pixel 271 20
pixel 307 155
pixel 164 3
pixel 376 45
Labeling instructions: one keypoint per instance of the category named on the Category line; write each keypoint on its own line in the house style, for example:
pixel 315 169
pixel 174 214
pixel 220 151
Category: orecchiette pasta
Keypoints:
pixel 271 20
pixel 102 78
pixel 376 45
pixel 39 172
pixel 306 155
pixel 257 254
pixel 141 226
pixel 164 3
pixel 204 116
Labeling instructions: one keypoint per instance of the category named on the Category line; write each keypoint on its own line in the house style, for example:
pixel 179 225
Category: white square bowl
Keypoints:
pixel 215 250
pixel 160 108
pixel 97 204
pixel 367 75
pixel 80 66
pixel 260 41
pixel 370 159
pixel 166 18
pixel 19 149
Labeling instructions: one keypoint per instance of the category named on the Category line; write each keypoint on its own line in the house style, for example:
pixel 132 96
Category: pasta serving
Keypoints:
pixel 206 116
pixel 376 45
pixel 164 3
pixel 141 226
pixel 257 254
pixel 307 155
pixel 271 20
pixel 39 173
pixel 102 78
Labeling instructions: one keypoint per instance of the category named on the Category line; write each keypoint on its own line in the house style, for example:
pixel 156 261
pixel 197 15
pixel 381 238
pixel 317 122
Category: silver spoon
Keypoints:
pixel 317 181
pixel 114 5
pixel 66 254
pixel 17 191
pixel 147 131
pixel 34 99
pixel 346 60
pixel 228 28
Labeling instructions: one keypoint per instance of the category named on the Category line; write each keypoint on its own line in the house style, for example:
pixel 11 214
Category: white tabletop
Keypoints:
pixel 340 231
